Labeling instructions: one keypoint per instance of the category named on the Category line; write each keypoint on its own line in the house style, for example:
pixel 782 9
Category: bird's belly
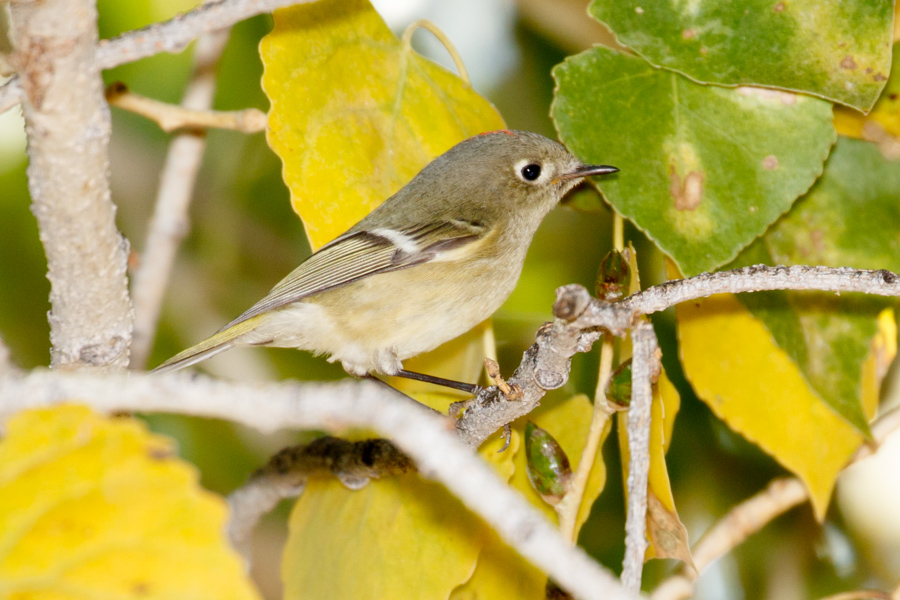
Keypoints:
pixel 422 311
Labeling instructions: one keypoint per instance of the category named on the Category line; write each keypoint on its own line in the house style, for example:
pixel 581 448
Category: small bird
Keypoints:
pixel 431 262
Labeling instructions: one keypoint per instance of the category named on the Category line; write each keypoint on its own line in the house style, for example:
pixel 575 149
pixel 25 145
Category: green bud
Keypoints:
pixel 613 277
pixel 618 390
pixel 548 466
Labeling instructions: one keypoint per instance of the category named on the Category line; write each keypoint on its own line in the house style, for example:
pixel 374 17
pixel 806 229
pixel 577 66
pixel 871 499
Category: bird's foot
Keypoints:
pixel 512 392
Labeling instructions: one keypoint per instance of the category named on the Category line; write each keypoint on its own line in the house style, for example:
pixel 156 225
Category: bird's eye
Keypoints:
pixel 531 172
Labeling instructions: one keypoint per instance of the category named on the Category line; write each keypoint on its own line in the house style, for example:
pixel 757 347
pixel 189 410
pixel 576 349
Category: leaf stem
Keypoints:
pixel 443 39
pixel 570 505
pixel 171 117
pixel 618 232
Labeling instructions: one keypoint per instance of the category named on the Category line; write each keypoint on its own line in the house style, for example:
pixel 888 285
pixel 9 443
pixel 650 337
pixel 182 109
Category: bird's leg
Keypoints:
pixel 407 396
pixel 469 388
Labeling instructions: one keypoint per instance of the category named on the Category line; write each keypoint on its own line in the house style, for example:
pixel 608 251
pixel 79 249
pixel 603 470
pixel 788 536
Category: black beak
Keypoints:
pixel 588 171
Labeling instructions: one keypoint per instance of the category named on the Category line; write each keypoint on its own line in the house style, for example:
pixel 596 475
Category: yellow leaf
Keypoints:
pixel 881 355
pixel 356 113
pixel 398 537
pixel 737 369
pixel 93 507
pixel 501 573
pixel 667 534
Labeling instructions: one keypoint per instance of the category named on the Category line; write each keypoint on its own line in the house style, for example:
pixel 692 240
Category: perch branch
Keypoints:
pixel 169 223
pixel 171 117
pixel 753 514
pixel 68 127
pixel 168 36
pixel 424 437
pixel 580 318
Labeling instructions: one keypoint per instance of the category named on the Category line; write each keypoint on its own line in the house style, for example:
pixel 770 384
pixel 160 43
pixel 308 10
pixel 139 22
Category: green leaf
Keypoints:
pixel 835 49
pixel 501 573
pixel 880 124
pixel 618 390
pixel 548 466
pixel 613 277
pixel 704 170
pixel 851 218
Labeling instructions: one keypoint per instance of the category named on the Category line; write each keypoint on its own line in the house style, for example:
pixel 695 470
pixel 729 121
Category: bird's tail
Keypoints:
pixel 220 342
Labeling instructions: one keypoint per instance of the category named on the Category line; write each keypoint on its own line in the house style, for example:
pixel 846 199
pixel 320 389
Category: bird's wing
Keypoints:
pixel 360 254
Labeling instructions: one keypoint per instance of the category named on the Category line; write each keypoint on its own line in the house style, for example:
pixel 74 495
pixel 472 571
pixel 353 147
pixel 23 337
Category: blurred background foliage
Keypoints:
pixel 244 237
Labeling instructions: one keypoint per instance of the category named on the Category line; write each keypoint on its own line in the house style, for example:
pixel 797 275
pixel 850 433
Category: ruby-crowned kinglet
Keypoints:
pixel 434 260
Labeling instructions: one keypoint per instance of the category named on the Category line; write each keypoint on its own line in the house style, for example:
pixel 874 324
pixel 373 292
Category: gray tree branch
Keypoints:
pixel 169 36
pixel 169 223
pixel 68 126
pixel 645 369
pixel 579 321
pixel 761 278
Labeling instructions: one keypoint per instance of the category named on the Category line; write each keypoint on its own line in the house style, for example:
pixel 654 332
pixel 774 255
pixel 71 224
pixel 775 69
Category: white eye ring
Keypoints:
pixel 530 171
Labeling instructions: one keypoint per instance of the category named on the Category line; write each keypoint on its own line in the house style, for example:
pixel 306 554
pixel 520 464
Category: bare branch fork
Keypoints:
pixel 169 36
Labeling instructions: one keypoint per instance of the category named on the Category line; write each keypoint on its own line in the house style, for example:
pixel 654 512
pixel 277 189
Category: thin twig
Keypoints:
pixel 168 36
pixel 570 505
pixel 443 38
pixel 753 514
pixel 169 223
pixel 424 437
pixel 580 318
pixel 68 127
pixel 759 278
pixel 644 370
pixel 171 117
